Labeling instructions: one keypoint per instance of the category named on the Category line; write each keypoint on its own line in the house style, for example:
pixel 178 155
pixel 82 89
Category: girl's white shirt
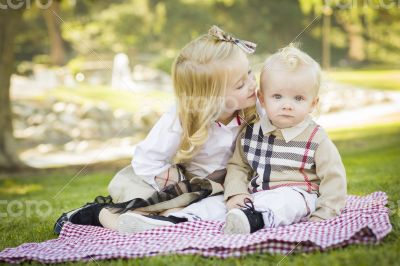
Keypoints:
pixel 155 153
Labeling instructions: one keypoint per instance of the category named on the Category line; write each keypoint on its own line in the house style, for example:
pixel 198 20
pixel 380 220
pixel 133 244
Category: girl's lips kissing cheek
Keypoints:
pixel 252 95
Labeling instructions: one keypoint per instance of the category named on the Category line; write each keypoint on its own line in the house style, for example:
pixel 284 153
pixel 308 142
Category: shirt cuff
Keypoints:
pixel 152 182
pixel 147 179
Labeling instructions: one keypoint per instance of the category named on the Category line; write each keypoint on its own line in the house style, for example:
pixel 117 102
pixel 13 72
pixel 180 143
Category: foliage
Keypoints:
pixel 93 28
pixel 371 28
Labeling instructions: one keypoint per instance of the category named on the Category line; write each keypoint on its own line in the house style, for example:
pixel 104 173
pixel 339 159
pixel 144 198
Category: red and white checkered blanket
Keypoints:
pixel 365 220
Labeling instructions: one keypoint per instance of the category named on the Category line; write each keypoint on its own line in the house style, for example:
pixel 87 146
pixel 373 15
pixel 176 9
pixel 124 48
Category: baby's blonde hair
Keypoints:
pixel 200 76
pixel 291 58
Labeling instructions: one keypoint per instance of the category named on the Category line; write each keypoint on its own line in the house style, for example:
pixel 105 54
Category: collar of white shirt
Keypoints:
pixel 235 122
pixel 288 133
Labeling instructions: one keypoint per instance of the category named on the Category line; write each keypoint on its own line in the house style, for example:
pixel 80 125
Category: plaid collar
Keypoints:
pixel 288 133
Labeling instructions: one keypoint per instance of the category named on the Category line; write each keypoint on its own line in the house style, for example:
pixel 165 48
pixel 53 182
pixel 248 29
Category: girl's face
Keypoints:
pixel 241 90
pixel 288 97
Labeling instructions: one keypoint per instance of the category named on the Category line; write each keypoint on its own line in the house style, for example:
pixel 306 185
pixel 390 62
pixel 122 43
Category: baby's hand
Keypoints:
pixel 315 219
pixel 237 201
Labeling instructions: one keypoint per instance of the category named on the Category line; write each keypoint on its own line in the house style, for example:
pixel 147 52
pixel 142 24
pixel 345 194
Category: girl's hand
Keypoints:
pixel 237 201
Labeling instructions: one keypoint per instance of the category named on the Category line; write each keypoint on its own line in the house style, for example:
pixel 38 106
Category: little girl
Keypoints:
pixel 284 169
pixel 215 92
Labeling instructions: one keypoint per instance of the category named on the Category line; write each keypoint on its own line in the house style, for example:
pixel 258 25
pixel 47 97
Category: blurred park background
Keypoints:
pixel 82 81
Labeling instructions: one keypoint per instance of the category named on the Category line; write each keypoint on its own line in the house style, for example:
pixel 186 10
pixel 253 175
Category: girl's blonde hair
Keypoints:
pixel 200 76
pixel 291 58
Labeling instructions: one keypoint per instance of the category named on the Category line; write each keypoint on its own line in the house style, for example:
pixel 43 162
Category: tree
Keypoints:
pixel 319 8
pixel 57 50
pixel 350 19
pixel 9 21
pixel 326 28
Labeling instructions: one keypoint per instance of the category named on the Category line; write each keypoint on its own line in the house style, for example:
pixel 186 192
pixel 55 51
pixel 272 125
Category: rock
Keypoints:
pixel 75 133
pixel 70 146
pixel 68 119
pixel 71 108
pixel 19 124
pixel 59 107
pixel 46 148
pixel 106 130
pixel 80 146
pixel 146 119
pixel 96 112
pixel 33 132
pixel 88 129
pixel 121 114
pixel 51 117
pixel 35 120
pixel 57 133
pixel 22 111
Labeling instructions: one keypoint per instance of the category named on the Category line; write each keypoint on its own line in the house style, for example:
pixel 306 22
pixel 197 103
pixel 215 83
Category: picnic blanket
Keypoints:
pixel 365 220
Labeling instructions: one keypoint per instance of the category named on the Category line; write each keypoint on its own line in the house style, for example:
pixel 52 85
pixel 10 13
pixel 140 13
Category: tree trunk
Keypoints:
pixel 367 36
pixel 356 52
pixel 9 20
pixel 53 22
pixel 326 49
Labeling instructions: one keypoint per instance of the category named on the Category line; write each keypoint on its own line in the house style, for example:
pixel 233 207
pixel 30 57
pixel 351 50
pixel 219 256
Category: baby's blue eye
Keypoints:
pixel 299 98
pixel 277 96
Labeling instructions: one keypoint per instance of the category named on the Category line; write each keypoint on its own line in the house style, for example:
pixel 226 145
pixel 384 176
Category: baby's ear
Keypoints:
pixel 314 104
pixel 260 96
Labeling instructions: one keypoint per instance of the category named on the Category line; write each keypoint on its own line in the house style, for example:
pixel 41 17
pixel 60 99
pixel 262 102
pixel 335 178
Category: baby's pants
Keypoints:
pixel 280 206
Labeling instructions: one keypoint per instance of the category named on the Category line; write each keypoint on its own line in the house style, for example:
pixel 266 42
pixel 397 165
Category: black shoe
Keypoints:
pixel 88 214
pixel 243 221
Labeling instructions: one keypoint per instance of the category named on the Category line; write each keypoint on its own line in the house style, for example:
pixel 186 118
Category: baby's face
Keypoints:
pixel 287 97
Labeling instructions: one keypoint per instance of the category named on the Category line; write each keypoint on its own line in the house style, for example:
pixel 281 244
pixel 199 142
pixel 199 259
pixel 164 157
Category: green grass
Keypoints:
pixel 371 156
pixel 376 79
pixel 129 101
